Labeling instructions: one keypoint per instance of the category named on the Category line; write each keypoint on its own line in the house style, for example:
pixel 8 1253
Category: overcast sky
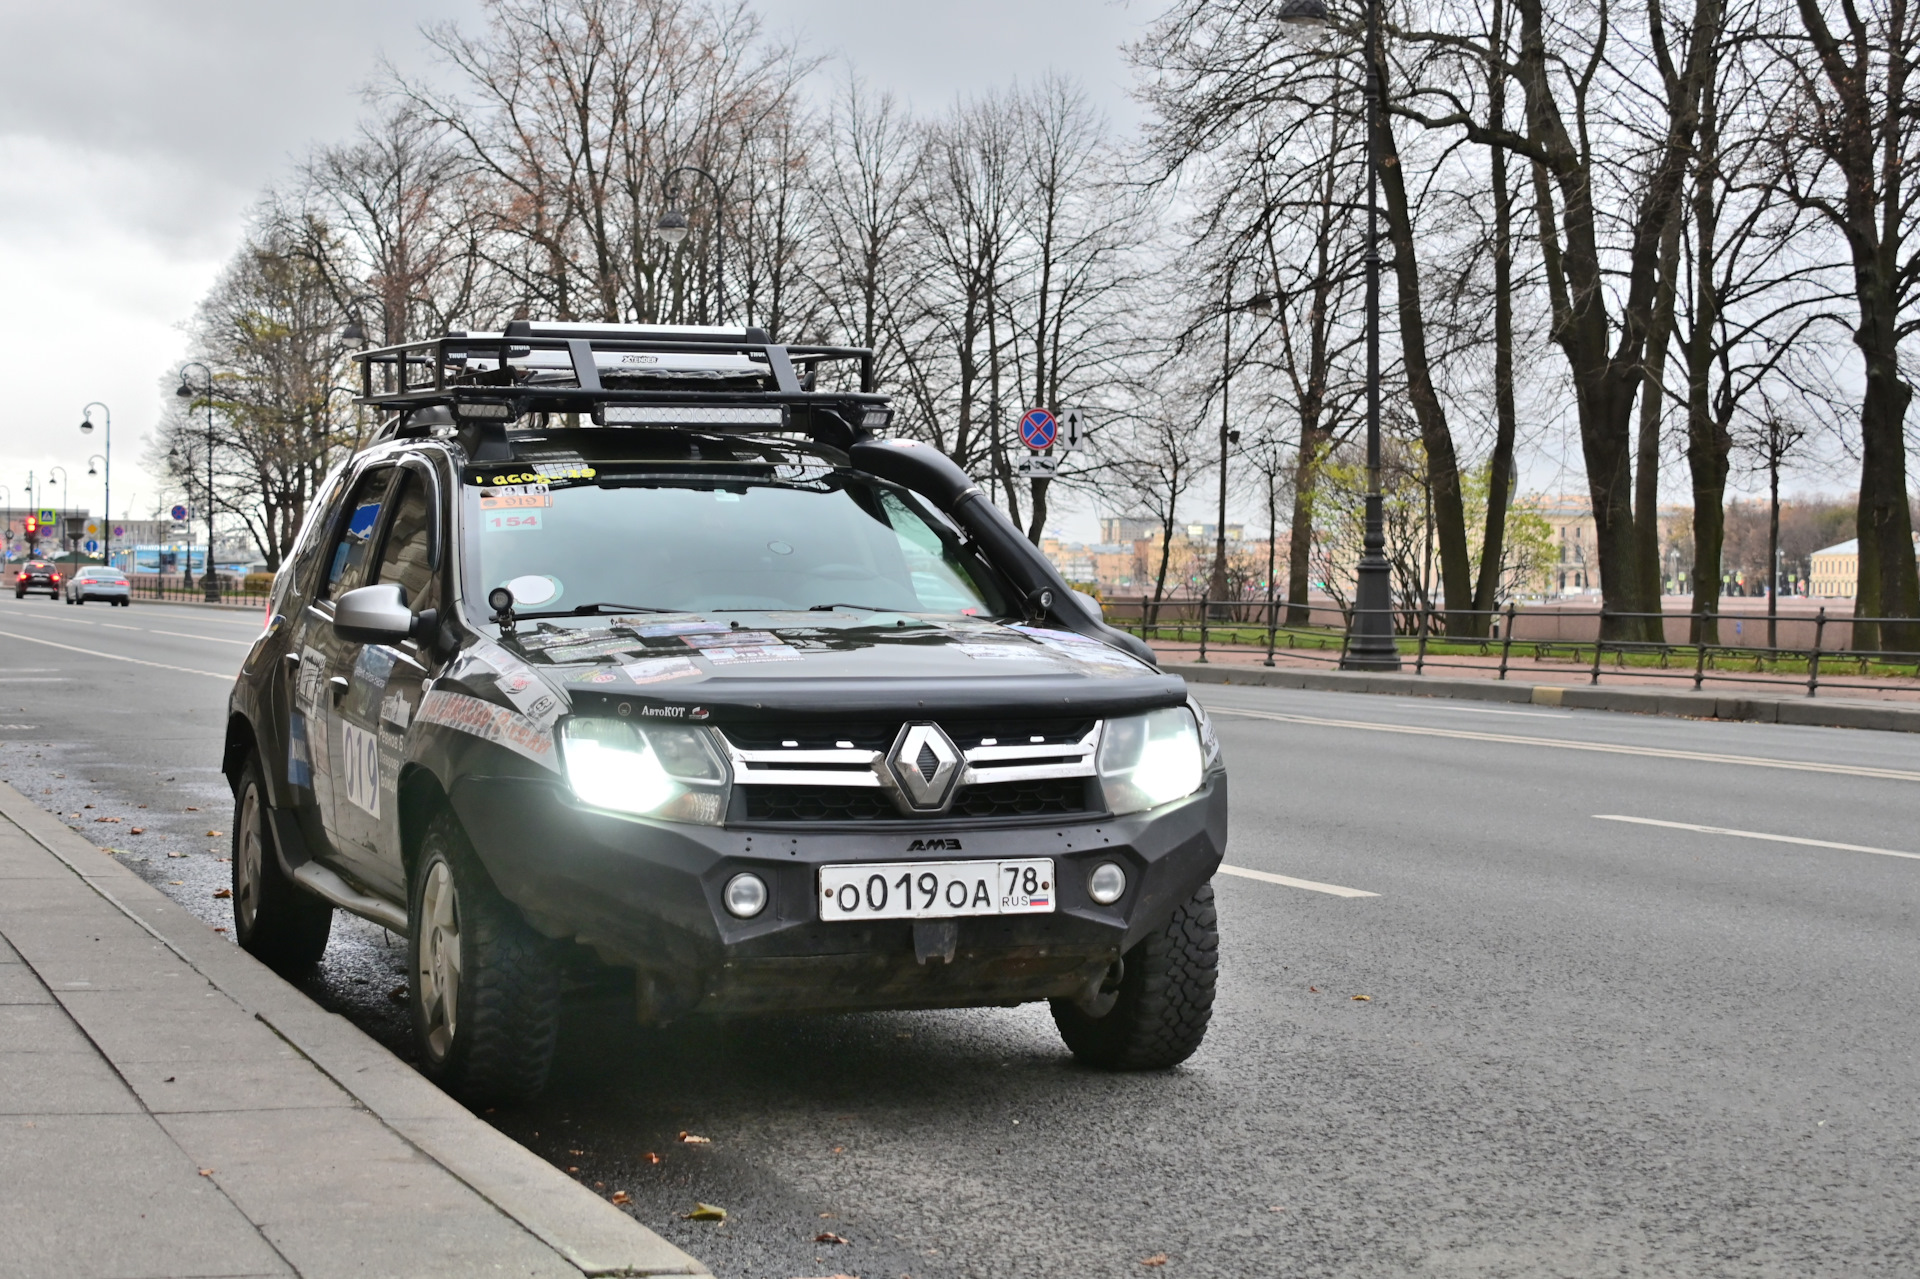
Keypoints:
pixel 134 134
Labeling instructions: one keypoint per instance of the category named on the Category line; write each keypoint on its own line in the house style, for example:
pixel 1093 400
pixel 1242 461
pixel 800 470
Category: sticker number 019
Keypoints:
pixel 509 523
pixel 360 767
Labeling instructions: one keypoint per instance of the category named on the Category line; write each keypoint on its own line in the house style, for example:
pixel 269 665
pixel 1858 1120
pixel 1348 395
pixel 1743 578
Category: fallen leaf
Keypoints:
pixel 114 820
pixel 139 805
pixel 827 1236
pixel 398 994
pixel 206 1172
pixel 86 805
pixel 138 830
pixel 193 810
pixel 839 1149
pixel 692 1140
pixel 1365 999
pixel 169 1079
pixel 220 930
pixel 213 834
pixel 826 1216
pixel 173 854
pixel 1157 1259
pixel 620 1197
pixel 572 1168
pixel 651 1158
pixel 1314 989
pixel 704 1212
pixel 223 892
pixel 176 881
pixel 576 1152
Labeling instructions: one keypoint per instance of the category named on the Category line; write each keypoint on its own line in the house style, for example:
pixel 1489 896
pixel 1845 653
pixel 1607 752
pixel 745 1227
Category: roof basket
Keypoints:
pixel 659 377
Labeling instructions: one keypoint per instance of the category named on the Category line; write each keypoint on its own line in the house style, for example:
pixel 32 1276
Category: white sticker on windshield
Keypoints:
pixel 512 521
pixel 1005 652
pixel 535 589
pixel 751 653
pixel 732 639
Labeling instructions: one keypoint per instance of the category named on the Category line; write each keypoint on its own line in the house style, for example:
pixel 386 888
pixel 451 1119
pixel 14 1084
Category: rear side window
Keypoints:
pixel 347 565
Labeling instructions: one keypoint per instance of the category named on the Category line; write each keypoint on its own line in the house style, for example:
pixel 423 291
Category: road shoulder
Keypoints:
pixel 318 1136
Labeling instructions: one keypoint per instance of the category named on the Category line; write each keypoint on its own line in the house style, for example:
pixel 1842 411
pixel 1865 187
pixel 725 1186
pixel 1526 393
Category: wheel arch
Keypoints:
pixel 419 795
pixel 241 743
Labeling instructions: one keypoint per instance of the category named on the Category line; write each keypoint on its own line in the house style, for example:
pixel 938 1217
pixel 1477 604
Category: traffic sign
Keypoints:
pixel 48 515
pixel 178 512
pixel 1037 467
pixel 119 530
pixel 1072 423
pixel 1038 429
pixel 93 529
pixel 92 547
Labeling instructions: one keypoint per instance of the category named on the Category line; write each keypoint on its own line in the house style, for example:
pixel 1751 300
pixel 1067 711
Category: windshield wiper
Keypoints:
pixel 586 610
pixel 871 608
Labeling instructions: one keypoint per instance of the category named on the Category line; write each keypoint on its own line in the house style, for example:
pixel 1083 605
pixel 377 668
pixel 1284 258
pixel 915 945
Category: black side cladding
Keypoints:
pixel 931 473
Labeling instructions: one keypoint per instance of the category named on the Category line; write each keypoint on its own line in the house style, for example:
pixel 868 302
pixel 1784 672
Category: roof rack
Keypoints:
pixel 674 377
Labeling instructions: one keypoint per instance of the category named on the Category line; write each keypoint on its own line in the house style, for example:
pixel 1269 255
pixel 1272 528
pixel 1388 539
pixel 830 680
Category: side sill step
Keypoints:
pixel 321 882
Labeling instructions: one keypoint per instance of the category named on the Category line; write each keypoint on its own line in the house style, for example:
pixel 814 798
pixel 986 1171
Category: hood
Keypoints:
pixel 747 665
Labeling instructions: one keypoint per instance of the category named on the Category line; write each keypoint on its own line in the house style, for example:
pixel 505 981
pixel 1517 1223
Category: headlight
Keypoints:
pixel 1151 759
pixel 662 771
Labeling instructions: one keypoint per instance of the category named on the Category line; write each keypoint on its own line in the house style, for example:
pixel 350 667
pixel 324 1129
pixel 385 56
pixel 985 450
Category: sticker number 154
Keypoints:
pixel 507 523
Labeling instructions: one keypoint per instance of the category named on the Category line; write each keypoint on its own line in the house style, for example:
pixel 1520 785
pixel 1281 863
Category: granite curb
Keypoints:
pixel 591 1234
pixel 1809 711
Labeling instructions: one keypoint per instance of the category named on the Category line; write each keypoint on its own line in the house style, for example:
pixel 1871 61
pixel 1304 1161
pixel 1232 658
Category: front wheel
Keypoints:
pixel 484 988
pixel 274 919
pixel 1158 1015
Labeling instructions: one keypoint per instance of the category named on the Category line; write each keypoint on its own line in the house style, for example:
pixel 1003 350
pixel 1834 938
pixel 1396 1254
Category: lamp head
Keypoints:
pixel 1304 15
pixel 86 426
pixel 353 336
pixel 184 390
pixel 672 227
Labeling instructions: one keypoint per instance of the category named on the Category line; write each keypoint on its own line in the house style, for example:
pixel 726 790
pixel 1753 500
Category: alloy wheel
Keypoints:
pixel 439 975
pixel 247 863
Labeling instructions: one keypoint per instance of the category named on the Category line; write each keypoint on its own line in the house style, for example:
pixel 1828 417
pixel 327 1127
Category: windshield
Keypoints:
pixel 640 539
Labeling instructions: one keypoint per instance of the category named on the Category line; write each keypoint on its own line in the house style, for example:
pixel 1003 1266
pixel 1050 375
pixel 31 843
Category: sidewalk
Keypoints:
pixel 170 1107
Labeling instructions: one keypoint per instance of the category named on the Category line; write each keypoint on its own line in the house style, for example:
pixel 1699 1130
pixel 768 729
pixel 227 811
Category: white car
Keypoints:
pixel 108 584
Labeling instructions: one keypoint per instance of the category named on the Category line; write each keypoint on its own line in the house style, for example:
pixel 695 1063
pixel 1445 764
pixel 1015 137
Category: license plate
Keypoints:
pixel 937 890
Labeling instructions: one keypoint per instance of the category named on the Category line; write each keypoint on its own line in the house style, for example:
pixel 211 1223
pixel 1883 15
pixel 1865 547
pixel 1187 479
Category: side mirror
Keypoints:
pixel 373 615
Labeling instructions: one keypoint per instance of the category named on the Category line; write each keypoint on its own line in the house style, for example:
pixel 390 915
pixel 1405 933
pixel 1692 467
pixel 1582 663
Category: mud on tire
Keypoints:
pixel 1165 998
pixel 486 1014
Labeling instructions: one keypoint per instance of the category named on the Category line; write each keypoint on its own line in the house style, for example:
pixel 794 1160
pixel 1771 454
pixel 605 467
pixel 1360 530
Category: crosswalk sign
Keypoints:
pixel 47 516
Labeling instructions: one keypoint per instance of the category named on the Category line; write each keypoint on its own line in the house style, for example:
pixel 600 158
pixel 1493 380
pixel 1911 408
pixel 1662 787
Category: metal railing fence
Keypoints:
pixel 1695 647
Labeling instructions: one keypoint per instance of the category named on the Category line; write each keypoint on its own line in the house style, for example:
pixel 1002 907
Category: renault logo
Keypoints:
pixel 925 764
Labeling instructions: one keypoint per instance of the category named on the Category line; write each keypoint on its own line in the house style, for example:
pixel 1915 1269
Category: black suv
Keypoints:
pixel 37 575
pixel 630 647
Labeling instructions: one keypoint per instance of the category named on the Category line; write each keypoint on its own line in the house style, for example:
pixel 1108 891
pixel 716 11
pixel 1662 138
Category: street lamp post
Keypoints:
pixel 60 512
pixel 106 513
pixel 6 504
pixel 208 578
pixel 1259 304
pixel 672 228
pixel 1370 645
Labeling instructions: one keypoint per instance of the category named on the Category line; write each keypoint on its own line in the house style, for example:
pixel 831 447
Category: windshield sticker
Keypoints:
pixel 535 589
pixel 488 722
pixel 1056 637
pixel 659 630
pixel 517 479
pixel 751 653
pixel 658 669
pixel 587 652
pixel 733 639
pixel 1096 655
pixel 525 498
pixel 514 522
pixel 1016 652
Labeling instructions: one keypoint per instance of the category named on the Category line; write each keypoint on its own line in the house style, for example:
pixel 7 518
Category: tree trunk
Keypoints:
pixel 1300 534
pixel 1493 541
pixel 1443 465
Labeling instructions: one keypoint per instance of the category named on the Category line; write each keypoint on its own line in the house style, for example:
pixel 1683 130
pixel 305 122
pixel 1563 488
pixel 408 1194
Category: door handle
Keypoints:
pixel 338 684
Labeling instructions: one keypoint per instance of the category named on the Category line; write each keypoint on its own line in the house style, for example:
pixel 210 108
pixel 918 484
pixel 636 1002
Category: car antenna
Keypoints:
pixel 500 599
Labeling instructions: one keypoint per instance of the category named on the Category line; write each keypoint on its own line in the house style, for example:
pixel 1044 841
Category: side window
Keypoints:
pixel 347 564
pixel 403 557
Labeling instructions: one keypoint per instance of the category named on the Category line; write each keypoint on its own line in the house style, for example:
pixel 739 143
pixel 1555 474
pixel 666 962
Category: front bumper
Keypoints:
pixel 647 895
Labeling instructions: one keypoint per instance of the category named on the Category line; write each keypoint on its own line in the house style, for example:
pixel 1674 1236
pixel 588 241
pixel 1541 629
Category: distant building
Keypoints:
pixel 1575 569
pixel 1835 572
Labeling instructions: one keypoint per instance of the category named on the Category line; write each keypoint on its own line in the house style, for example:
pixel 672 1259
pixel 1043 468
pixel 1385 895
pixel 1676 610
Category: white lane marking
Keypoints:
pixel 1754 834
pixel 211 639
pixel 1487 710
pixel 1312 886
pixel 137 661
pixel 35 679
pixel 1604 748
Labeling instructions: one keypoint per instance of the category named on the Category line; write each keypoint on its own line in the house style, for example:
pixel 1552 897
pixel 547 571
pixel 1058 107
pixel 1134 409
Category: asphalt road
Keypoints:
pixel 1589 1047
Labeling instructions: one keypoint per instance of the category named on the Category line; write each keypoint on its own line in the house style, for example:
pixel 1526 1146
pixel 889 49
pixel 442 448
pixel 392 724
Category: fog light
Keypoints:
pixel 746 895
pixel 1107 883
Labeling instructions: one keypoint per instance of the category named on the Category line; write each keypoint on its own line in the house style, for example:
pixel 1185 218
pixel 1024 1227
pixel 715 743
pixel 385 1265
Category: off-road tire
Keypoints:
pixel 508 985
pixel 1165 998
pixel 274 919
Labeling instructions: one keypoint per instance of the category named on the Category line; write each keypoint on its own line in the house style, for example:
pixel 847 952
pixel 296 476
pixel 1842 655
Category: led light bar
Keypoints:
pixel 772 417
pixel 488 410
pixel 876 419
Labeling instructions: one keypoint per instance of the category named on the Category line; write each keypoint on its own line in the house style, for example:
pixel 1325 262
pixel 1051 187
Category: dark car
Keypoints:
pixel 37 575
pixel 625 648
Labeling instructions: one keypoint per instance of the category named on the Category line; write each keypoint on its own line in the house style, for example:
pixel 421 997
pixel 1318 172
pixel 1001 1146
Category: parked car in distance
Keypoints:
pixel 37 575
pixel 101 583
